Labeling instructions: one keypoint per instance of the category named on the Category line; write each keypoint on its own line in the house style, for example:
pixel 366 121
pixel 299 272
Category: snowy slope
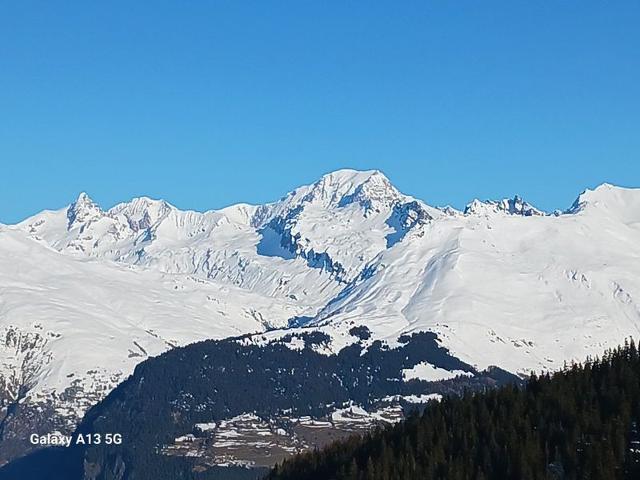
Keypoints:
pixel 505 289
pixel 73 327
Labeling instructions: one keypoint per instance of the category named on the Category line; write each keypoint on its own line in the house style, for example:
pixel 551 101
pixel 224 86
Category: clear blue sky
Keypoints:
pixel 211 103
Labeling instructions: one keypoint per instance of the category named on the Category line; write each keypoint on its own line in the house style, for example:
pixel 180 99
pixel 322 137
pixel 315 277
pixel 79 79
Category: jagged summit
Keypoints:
pixel 138 204
pixel 83 210
pixel 371 190
pixel 337 223
pixel 83 198
pixel 142 212
pixel 374 194
pixel 509 206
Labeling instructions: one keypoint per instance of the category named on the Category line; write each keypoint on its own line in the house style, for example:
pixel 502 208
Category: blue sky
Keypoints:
pixel 211 103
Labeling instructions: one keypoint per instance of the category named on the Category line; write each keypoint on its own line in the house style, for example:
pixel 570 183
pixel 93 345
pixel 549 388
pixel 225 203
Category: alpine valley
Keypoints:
pixel 233 338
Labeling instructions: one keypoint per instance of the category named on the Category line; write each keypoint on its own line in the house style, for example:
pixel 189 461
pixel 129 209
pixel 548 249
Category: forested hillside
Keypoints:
pixel 211 381
pixel 580 423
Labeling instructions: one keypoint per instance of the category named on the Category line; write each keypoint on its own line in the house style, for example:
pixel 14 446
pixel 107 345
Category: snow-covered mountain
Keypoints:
pixel 87 293
pixel 334 226
pixel 502 289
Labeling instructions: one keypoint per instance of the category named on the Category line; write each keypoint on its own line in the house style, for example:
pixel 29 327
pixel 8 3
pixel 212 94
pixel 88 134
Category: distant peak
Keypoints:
pixel 350 175
pixel 147 202
pixel 373 194
pixel 508 206
pixel 370 189
pixel 82 210
pixel 343 187
pixel 83 199
pixel 140 203
pixel 350 178
pixel 606 196
pixel 142 212
pixel 449 211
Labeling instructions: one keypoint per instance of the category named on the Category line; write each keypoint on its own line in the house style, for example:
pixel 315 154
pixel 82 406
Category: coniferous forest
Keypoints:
pixel 580 423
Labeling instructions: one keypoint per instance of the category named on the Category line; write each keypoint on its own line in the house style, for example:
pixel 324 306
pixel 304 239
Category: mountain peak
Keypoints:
pixel 509 206
pixel 343 187
pixel 82 210
pixel 142 212
pixel 608 197
pixel 83 198
pixel 141 203
pixel 374 193
pixel 369 188
pixel 344 175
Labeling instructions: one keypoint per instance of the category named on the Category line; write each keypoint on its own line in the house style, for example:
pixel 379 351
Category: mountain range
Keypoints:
pixel 86 294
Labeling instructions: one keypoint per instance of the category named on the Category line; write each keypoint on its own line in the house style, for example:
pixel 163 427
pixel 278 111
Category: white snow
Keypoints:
pixel 206 427
pixel 425 398
pixel 67 321
pixel 426 371
pixel 356 415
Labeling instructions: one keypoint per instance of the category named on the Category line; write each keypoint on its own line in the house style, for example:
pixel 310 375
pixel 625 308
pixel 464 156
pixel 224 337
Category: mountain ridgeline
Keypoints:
pixel 580 423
